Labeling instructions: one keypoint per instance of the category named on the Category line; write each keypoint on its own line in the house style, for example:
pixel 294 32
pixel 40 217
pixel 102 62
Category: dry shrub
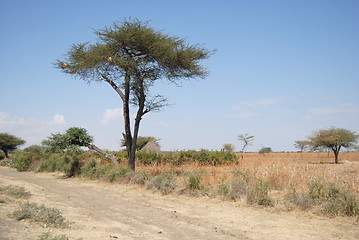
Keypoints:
pixel 40 214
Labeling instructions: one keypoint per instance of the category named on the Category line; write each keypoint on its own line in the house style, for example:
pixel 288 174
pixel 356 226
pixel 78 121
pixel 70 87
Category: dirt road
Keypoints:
pixel 113 211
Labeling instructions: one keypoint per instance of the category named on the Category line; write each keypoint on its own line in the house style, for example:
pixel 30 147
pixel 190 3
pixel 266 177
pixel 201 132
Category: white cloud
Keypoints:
pixel 59 119
pixel 32 130
pixel 111 115
pixel 246 109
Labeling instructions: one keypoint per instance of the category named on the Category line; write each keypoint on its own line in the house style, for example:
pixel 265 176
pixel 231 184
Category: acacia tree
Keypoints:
pixel 333 139
pixel 9 142
pixel 130 58
pixel 71 141
pixel 246 139
pixel 302 145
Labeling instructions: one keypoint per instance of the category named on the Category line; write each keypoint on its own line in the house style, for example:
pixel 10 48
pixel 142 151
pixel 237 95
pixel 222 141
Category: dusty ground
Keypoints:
pixel 112 211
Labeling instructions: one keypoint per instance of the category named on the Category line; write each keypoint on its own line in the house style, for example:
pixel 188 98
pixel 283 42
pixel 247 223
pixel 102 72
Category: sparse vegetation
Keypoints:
pixel 194 180
pixel 165 183
pixel 40 214
pixel 49 236
pixel 15 192
pixel 217 173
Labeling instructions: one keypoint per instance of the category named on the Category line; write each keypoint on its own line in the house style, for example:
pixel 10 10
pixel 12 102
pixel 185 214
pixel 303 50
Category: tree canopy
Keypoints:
pixel 265 150
pixel 302 145
pixel 9 142
pixel 70 141
pixel 333 139
pixel 130 57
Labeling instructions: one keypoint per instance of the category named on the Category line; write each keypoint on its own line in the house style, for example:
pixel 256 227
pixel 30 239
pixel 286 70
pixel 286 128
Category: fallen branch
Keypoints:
pixel 103 153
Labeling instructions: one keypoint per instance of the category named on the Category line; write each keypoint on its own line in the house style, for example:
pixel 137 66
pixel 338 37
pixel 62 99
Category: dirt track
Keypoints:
pixel 112 211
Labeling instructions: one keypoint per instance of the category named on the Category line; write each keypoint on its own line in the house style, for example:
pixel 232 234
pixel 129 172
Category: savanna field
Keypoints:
pixel 288 181
pixel 281 170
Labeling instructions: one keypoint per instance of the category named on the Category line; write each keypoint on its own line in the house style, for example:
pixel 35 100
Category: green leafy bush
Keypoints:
pixel 2 155
pixel 116 173
pixel 67 163
pixel 89 169
pixel 27 159
pixel 316 189
pixel 106 172
pixel 194 180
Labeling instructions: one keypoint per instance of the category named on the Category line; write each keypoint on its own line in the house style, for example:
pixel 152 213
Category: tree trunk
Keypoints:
pixel 336 153
pixel 140 93
pixel 6 153
pixel 130 146
pixel 103 153
pixel 336 157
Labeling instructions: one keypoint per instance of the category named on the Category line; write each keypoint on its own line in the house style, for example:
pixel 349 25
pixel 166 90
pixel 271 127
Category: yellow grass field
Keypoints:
pixel 282 170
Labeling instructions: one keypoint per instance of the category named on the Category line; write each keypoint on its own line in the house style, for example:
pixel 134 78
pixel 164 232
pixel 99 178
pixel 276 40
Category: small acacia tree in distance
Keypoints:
pixel 333 139
pixel 265 150
pixel 131 57
pixel 302 145
pixel 9 143
pixel 246 139
pixel 227 147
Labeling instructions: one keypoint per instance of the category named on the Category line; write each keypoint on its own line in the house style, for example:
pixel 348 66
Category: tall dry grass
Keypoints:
pixel 282 170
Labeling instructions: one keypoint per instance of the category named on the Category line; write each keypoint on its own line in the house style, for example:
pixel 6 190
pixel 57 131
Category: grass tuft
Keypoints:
pixel 40 214
pixel 165 183
pixel 15 192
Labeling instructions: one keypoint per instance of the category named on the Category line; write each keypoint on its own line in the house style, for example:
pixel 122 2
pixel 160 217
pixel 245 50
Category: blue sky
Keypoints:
pixel 281 70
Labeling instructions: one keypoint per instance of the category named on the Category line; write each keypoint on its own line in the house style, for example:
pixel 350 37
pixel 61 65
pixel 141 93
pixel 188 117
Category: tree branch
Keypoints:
pixel 114 86
pixel 103 153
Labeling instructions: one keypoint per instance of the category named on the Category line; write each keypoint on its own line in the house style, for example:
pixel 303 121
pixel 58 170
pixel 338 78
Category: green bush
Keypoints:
pixel 27 159
pixel 194 180
pixel 67 163
pixel 165 183
pixel 40 214
pixel 116 173
pixel 316 189
pixel 333 199
pixel 149 157
pixel 340 201
pixel 223 188
pixel 260 194
pixel 106 172
pixel 2 155
pixel 182 157
pixel 89 169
